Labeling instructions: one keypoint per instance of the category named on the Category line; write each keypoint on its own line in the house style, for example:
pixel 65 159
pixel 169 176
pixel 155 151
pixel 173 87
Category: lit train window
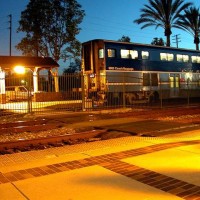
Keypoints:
pixel 111 53
pixel 101 53
pixel 194 59
pixel 134 54
pixel 166 56
pixel 170 57
pixel 179 58
pixel 163 56
pixel 145 55
pixel 131 54
pixel 124 53
pixel 182 58
pixel 185 58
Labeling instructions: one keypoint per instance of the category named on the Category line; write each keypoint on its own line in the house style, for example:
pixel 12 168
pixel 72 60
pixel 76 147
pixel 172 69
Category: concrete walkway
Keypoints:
pixel 129 168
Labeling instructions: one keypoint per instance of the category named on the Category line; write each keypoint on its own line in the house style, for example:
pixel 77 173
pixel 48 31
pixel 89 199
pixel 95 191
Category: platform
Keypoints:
pixel 140 168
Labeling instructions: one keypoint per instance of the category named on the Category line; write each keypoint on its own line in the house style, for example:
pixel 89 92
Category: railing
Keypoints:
pixel 77 93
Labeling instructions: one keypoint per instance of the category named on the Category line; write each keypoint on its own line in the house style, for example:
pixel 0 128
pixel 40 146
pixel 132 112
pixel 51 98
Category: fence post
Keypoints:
pixel 188 95
pixel 124 100
pixel 29 100
pixel 29 95
pixel 83 91
pixel 161 95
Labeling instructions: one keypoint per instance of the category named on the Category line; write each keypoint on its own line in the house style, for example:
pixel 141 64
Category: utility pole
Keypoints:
pixel 176 39
pixel 10 28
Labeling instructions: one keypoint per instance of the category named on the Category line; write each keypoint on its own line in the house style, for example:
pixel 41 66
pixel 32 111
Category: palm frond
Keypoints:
pixel 162 13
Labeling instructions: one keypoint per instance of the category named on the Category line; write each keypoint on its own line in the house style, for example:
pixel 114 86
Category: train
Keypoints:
pixel 133 72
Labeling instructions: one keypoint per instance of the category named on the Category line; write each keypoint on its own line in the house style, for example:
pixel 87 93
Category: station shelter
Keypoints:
pixel 33 64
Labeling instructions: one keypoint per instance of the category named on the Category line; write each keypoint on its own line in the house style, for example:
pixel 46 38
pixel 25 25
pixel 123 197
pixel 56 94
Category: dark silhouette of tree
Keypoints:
pixel 73 67
pixel 158 42
pixel 51 27
pixel 190 22
pixel 72 51
pixel 162 13
pixel 125 39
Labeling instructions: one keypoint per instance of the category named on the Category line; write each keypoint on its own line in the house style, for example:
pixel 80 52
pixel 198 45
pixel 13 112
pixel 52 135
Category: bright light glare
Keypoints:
pixel 19 69
pixel 188 75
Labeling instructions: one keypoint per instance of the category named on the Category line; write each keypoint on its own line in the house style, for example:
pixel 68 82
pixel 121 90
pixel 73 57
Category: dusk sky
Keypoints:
pixel 105 19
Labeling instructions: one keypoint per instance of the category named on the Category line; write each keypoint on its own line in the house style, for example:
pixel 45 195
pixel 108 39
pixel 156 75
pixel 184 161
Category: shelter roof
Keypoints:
pixel 8 62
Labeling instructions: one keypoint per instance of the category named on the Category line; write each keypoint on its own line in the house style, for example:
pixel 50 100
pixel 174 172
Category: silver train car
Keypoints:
pixel 138 72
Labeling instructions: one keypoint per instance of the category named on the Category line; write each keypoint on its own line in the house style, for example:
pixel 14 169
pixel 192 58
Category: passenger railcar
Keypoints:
pixel 135 72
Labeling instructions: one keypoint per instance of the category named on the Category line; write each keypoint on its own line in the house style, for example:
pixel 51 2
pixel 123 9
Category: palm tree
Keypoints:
pixel 190 22
pixel 162 13
pixel 158 41
pixel 125 39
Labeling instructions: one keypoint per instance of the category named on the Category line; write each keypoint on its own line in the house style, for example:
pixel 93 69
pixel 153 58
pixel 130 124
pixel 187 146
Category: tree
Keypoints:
pixel 125 39
pixel 162 13
pixel 51 27
pixel 72 51
pixel 190 22
pixel 158 42
pixel 73 67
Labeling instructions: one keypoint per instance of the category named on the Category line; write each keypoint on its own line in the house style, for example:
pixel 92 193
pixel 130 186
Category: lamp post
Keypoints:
pixel 22 70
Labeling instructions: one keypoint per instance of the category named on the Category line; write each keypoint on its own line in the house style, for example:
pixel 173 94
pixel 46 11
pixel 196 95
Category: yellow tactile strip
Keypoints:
pixel 113 162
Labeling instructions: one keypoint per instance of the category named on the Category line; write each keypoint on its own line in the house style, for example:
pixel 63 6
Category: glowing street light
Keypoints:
pixel 19 69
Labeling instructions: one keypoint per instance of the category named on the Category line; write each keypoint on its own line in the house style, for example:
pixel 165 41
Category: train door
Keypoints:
pixel 174 85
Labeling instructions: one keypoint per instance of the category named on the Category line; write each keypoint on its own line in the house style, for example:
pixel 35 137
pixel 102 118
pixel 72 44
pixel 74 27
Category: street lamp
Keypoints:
pixel 19 69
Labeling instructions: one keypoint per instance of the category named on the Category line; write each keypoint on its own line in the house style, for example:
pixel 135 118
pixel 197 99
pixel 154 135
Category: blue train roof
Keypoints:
pixel 144 45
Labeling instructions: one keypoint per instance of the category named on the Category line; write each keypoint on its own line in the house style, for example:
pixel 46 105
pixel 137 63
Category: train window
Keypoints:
pixel 145 55
pixel 134 54
pixel 146 79
pixel 154 79
pixel 101 53
pixel 163 56
pixel 179 58
pixel 182 58
pixel 131 54
pixel 150 79
pixel 166 56
pixel 185 58
pixel 124 53
pixel 170 57
pixel 111 53
pixel 194 59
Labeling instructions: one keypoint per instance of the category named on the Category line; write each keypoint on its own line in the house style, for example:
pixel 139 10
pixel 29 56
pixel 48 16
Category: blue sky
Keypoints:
pixel 105 19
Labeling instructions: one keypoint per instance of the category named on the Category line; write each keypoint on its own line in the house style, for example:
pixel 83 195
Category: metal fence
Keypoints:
pixel 77 93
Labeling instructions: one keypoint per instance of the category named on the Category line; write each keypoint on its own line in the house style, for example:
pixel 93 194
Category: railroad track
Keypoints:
pixel 45 141
pixel 53 141
pixel 29 126
pixel 54 124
